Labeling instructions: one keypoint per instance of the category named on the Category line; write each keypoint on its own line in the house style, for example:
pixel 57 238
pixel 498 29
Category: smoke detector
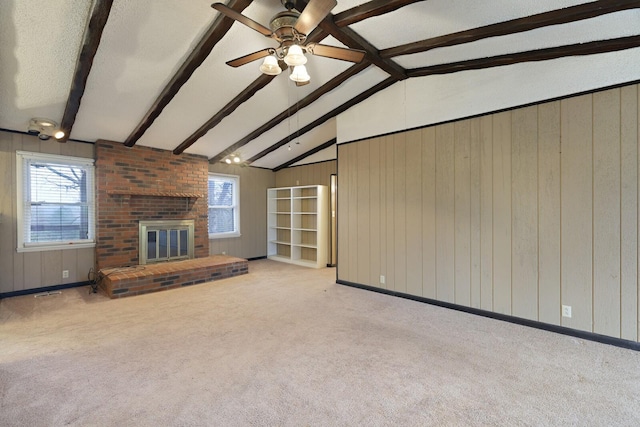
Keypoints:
pixel 44 128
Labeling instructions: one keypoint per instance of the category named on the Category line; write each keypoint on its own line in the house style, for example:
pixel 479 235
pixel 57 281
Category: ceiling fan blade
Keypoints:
pixel 223 8
pixel 352 55
pixel 249 58
pixel 313 13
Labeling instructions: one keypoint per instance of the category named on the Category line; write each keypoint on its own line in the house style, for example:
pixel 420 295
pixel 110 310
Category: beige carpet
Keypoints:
pixel 286 346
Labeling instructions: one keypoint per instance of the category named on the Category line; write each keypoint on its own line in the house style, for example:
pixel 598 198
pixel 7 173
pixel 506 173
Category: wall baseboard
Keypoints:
pixel 257 258
pixel 43 289
pixel 603 339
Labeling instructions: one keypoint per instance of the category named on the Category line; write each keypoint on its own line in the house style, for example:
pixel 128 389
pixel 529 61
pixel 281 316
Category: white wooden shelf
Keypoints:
pixel 298 225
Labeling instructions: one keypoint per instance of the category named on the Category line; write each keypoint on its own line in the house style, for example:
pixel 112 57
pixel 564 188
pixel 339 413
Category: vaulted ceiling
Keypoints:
pixel 153 73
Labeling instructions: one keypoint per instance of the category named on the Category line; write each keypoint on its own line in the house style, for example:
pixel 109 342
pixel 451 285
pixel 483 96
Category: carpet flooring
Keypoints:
pixel 287 346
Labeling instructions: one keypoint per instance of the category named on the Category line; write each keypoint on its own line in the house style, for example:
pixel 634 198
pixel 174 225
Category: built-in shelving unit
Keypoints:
pixel 297 221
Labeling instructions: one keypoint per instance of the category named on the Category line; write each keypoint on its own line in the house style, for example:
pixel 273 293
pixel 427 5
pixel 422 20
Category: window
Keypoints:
pixel 224 206
pixel 55 202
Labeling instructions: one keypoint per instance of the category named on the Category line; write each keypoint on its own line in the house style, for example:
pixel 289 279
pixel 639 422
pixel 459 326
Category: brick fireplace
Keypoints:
pixel 145 184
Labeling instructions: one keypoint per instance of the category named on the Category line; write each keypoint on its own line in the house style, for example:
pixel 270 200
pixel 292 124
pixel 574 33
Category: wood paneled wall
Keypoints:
pixel 518 212
pixel 311 174
pixel 29 270
pixel 253 212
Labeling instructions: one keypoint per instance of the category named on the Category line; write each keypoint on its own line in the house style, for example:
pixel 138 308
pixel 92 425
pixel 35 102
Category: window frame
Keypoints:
pixel 23 194
pixel 236 206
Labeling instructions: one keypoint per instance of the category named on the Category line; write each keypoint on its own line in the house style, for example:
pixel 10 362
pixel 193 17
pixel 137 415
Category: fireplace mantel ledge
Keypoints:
pixel 153 193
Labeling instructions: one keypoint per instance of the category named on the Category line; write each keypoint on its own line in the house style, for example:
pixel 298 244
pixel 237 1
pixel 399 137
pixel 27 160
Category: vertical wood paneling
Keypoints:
pixel 606 212
pixel 549 212
pixel 502 212
pixel 400 214
pixel 517 212
pixel 414 213
pixel 375 206
pixel 474 166
pixel 629 212
pixel 32 271
pixel 253 207
pixel 390 223
pixel 7 245
pixel 462 212
pixel 343 266
pixel 486 213
pixel 577 214
pixel 382 256
pixel 445 206
pixel 429 212
pixel 364 209
pixel 354 211
pixel 51 268
pixel 70 262
pixel 524 203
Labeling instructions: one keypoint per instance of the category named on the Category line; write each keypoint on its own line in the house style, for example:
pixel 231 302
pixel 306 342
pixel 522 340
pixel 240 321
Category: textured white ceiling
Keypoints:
pixel 145 42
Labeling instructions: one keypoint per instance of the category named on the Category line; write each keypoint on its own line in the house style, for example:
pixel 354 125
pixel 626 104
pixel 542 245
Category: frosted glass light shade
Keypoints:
pixel 300 74
pixel 270 66
pixel 295 56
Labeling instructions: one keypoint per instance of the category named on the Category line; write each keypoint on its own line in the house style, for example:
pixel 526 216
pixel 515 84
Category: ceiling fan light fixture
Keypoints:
pixel 300 74
pixel 295 56
pixel 270 66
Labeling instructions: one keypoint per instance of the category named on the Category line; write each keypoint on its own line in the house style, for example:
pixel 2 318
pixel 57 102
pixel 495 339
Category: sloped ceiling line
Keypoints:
pixel 306 101
pixel 90 43
pixel 601 46
pixel 214 34
pixel 554 17
pixel 320 147
pixel 333 113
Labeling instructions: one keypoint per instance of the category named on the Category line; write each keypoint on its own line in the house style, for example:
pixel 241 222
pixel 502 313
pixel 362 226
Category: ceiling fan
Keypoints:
pixel 290 28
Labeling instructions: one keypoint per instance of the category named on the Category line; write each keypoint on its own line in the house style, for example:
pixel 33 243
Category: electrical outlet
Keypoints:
pixel 65 274
pixel 224 252
pixel 566 311
pixel 382 280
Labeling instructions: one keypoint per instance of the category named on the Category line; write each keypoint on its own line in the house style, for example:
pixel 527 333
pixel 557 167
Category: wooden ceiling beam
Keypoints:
pixel 591 48
pixel 554 17
pixel 342 108
pixel 244 96
pixel 216 31
pixel 307 154
pixel 312 97
pixel 369 10
pixel 354 41
pixel 90 43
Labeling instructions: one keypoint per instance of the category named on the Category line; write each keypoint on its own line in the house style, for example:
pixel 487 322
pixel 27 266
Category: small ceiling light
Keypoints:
pixel 300 74
pixel 236 159
pixel 58 135
pixel 270 66
pixel 295 56
pixel 228 160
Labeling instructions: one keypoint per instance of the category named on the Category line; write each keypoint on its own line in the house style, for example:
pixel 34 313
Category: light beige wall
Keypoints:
pixel 312 174
pixel 253 212
pixel 28 270
pixel 518 212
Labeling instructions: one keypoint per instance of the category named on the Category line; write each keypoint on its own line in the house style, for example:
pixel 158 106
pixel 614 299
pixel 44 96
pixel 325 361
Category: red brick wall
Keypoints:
pixel 142 183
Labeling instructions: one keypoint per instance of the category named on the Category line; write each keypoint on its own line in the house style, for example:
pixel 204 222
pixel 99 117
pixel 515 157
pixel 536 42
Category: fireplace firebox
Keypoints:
pixel 166 240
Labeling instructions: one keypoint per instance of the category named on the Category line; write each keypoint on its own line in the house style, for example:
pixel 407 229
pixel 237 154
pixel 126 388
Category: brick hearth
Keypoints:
pixel 123 282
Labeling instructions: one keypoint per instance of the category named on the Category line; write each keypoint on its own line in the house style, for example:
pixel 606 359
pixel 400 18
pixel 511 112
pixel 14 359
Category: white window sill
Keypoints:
pixel 55 247
pixel 223 235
